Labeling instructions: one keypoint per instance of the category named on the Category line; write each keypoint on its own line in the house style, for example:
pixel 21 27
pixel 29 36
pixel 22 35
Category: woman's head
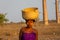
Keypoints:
pixel 30 22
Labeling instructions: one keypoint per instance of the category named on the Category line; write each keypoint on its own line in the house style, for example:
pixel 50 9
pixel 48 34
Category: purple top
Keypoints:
pixel 28 36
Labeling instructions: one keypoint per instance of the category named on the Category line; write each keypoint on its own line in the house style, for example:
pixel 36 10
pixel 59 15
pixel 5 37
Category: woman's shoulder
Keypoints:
pixel 34 30
pixel 22 28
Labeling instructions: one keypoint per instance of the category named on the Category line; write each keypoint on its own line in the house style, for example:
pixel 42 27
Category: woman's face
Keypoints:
pixel 30 23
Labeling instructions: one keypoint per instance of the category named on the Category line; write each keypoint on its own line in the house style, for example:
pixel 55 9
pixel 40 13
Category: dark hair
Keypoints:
pixel 30 19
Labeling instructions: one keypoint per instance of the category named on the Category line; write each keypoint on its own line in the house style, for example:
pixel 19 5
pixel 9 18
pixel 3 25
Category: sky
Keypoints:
pixel 13 9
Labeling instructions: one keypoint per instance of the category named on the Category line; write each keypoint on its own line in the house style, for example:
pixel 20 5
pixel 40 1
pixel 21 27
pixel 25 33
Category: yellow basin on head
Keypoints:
pixel 30 13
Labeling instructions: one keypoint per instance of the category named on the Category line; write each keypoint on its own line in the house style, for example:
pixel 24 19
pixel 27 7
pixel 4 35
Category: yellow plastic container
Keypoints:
pixel 30 13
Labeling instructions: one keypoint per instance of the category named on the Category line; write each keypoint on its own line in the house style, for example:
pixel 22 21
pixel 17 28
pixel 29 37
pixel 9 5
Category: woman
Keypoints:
pixel 28 33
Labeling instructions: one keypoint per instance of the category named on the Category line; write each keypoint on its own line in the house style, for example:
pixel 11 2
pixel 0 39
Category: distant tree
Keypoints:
pixel 2 18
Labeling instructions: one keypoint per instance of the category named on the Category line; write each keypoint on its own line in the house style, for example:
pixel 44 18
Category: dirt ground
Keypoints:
pixel 11 31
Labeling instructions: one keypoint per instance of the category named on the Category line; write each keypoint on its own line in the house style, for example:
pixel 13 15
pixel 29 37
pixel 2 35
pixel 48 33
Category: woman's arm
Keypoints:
pixel 36 35
pixel 20 33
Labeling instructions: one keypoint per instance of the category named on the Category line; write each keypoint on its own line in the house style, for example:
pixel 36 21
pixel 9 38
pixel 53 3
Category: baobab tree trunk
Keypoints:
pixel 45 14
pixel 57 11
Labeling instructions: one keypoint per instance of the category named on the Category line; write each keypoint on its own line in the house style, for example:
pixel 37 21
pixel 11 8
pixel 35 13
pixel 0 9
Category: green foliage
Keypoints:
pixel 2 18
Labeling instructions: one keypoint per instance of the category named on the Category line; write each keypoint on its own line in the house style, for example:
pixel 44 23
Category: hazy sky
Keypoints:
pixel 13 8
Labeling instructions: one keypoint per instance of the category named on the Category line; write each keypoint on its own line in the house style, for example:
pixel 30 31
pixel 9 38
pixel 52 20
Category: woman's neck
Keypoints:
pixel 29 27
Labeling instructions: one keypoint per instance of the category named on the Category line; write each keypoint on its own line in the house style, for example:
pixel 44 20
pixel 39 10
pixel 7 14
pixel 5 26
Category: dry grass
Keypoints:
pixel 11 31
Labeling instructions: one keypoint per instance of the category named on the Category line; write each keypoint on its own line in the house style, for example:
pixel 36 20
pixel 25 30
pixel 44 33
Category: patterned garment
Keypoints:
pixel 28 36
